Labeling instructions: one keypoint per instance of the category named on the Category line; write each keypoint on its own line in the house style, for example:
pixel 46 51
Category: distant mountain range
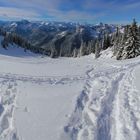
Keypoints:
pixel 60 38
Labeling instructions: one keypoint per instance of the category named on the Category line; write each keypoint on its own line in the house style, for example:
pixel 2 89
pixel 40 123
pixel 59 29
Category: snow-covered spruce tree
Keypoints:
pixel 97 49
pixel 4 43
pixel 75 52
pixel 106 42
pixel 83 48
pixel 53 52
pixel 131 43
pixel 90 47
pixel 117 41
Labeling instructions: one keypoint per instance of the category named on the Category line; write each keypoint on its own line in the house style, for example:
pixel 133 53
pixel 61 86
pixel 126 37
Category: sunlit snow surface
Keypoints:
pixel 68 98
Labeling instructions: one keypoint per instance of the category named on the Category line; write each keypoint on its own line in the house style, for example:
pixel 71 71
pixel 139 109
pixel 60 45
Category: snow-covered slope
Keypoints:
pixel 69 98
pixel 14 50
pixel 37 95
pixel 108 106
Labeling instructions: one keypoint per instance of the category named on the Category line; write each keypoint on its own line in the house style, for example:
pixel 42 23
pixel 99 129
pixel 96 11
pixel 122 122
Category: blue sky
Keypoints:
pixel 88 11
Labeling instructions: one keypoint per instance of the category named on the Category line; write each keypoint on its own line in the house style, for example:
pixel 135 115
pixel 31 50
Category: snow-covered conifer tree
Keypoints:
pixel 131 43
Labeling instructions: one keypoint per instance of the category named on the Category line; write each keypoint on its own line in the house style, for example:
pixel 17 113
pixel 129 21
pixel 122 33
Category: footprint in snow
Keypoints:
pixel 14 137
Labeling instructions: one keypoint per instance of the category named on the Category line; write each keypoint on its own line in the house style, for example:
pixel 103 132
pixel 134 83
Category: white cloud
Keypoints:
pixel 16 14
pixel 45 8
pixel 33 4
pixel 99 4
pixel 132 5
pixel 73 15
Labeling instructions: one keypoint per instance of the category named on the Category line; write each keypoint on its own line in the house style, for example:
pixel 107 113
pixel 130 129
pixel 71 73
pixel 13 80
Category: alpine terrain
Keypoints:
pixel 92 94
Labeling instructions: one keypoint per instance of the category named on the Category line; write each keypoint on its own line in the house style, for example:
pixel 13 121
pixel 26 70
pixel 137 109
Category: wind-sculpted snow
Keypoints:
pixel 107 108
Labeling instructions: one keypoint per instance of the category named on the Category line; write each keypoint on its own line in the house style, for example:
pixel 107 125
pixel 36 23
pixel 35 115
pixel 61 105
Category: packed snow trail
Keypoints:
pixel 107 108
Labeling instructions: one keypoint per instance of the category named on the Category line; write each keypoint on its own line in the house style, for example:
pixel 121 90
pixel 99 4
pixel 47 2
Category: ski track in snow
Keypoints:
pixel 106 109
pixel 8 94
pixel 8 91
pixel 108 106
pixel 43 79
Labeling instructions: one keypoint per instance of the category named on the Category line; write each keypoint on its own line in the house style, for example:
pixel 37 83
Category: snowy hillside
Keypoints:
pixel 108 106
pixel 16 51
pixel 38 95
pixel 69 98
